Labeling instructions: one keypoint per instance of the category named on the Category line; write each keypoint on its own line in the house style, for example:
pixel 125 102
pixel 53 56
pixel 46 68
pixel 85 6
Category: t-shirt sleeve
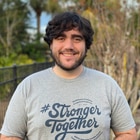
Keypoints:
pixel 15 118
pixel 121 116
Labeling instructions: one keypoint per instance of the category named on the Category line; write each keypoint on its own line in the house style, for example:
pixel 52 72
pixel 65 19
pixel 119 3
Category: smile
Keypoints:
pixel 72 53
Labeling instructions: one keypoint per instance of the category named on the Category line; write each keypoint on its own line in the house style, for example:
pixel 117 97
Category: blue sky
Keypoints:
pixel 44 21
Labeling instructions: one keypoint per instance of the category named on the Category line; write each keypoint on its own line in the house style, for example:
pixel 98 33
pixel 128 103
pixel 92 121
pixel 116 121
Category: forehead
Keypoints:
pixel 72 32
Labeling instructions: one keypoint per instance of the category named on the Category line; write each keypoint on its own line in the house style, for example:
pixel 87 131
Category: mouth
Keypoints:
pixel 68 53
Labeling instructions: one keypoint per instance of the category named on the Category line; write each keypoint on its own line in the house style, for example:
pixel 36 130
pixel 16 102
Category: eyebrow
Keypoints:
pixel 73 35
pixel 61 34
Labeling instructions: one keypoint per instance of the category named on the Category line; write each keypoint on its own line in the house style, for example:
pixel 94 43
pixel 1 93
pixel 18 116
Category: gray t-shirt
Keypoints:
pixel 47 107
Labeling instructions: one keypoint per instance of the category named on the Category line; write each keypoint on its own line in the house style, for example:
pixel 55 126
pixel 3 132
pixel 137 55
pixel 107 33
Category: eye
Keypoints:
pixel 77 39
pixel 61 38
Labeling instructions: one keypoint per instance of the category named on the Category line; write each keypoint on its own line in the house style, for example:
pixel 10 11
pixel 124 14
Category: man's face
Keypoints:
pixel 68 49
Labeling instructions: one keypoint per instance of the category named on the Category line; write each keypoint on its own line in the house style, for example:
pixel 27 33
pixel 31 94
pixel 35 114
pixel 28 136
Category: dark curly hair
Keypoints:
pixel 67 21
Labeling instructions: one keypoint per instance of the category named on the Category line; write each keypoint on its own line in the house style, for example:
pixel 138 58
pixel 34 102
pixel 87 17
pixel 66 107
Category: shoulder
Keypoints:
pixel 101 79
pixel 98 75
pixel 35 79
pixel 33 82
pixel 38 75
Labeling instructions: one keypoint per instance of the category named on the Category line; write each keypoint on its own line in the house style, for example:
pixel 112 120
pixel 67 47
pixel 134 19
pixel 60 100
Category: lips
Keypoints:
pixel 69 53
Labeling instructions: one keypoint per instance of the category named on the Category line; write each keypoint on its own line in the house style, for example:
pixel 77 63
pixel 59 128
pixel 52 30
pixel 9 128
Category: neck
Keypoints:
pixel 68 74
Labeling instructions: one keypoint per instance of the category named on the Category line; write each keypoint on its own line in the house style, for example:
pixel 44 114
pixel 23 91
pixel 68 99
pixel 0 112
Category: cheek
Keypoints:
pixel 83 49
pixel 53 48
pixel 54 51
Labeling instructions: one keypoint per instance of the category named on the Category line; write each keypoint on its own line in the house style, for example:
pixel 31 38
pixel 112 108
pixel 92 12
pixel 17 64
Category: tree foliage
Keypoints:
pixel 14 35
pixel 49 6
pixel 13 22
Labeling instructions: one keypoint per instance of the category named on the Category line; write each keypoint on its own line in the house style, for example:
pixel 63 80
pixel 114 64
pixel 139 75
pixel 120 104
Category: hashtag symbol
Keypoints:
pixel 45 108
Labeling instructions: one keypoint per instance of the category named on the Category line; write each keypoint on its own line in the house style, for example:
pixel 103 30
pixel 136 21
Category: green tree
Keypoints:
pixel 48 6
pixel 13 22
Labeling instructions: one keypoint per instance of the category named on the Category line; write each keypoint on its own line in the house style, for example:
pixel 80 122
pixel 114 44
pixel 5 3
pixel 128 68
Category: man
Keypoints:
pixel 68 101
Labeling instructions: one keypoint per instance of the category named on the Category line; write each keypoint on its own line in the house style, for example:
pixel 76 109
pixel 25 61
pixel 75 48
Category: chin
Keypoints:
pixel 70 68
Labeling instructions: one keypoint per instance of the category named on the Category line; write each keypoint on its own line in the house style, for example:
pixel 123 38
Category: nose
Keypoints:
pixel 69 43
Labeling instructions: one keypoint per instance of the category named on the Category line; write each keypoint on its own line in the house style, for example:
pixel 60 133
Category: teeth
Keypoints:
pixel 68 54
